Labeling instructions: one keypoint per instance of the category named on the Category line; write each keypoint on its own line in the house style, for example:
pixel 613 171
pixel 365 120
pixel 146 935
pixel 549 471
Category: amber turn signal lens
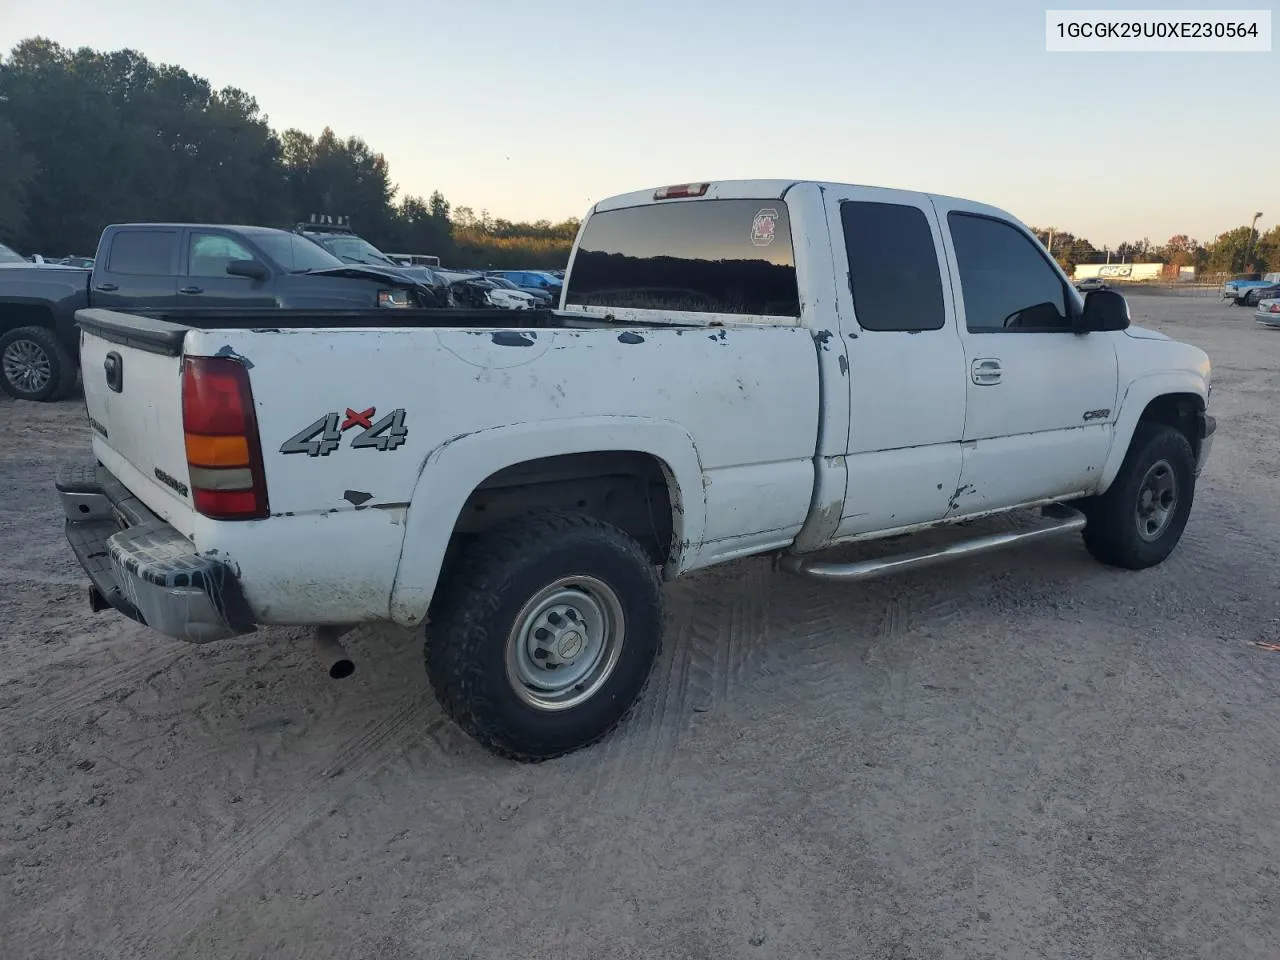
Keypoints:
pixel 203 451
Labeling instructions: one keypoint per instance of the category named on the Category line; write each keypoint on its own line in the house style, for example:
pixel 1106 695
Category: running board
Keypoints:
pixel 1065 520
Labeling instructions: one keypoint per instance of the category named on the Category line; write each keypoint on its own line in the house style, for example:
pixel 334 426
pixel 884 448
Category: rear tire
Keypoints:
pixel 544 634
pixel 34 366
pixel 1138 522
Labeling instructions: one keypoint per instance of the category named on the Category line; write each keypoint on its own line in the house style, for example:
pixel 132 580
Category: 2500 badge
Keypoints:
pixel 321 438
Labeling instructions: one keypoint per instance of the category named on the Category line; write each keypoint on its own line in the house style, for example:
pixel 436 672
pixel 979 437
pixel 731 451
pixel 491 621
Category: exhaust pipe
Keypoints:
pixel 332 653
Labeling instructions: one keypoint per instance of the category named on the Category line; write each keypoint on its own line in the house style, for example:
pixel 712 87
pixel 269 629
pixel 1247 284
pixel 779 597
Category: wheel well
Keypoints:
pixel 631 490
pixel 1177 410
pixel 26 315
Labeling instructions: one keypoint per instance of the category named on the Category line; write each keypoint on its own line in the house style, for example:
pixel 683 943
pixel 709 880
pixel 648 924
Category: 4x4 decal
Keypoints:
pixel 324 435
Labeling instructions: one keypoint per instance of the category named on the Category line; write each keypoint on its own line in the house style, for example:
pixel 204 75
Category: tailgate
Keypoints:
pixel 131 367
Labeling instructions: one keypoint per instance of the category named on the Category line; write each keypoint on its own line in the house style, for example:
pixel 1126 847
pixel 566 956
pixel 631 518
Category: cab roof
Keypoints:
pixel 763 189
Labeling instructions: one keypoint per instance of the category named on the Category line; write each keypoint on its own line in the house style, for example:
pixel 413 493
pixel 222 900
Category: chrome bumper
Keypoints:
pixel 142 567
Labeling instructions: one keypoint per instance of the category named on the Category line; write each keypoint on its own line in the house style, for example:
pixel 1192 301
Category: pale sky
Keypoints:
pixel 538 109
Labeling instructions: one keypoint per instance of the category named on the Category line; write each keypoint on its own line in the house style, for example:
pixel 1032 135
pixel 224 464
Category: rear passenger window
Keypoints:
pixel 893 267
pixel 697 256
pixel 143 253
pixel 1005 279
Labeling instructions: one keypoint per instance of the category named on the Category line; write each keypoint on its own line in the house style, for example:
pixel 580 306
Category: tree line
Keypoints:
pixel 1241 250
pixel 89 138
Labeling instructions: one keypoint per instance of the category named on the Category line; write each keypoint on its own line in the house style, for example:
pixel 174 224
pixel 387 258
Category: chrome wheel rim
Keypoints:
pixel 565 642
pixel 27 366
pixel 1157 500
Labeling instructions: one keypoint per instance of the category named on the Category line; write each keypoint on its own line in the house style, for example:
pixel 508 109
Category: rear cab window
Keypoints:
pixel 893 267
pixel 716 258
pixel 144 253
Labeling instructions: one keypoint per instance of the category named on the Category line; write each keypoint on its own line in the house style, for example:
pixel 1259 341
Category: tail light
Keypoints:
pixel 224 456
pixel 681 190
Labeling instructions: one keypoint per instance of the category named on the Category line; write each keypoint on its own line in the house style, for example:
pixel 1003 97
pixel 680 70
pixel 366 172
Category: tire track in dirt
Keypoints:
pixel 11 575
pixel 721 636
pixel 707 643
pixel 194 895
pixel 644 743
pixel 752 608
pixel 98 685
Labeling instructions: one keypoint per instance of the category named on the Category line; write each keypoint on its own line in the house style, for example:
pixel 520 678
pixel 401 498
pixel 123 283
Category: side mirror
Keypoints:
pixel 247 268
pixel 1104 310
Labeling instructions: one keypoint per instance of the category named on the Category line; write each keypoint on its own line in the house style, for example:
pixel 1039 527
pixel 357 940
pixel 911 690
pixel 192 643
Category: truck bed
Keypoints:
pixel 170 324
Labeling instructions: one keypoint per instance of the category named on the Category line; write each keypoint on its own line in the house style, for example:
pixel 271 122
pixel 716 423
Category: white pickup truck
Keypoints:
pixel 735 368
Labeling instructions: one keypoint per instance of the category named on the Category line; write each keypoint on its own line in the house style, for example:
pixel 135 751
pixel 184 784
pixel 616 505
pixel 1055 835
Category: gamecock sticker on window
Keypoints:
pixel 762 232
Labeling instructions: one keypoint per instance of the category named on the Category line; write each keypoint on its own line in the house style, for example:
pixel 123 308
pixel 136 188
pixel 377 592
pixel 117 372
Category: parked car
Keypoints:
pixel 1266 291
pixel 1091 283
pixel 1268 312
pixel 541 297
pixel 167 266
pixel 475 290
pixel 83 262
pixel 1244 293
pixel 533 281
pixel 341 241
pixel 735 372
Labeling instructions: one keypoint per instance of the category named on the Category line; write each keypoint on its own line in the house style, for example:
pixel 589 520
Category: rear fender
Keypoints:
pixel 457 467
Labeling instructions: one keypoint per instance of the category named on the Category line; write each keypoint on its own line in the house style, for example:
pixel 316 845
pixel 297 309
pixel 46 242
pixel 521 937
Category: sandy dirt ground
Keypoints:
pixel 1025 756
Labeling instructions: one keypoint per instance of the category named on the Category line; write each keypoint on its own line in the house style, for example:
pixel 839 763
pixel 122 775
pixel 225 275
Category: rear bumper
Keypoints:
pixel 144 568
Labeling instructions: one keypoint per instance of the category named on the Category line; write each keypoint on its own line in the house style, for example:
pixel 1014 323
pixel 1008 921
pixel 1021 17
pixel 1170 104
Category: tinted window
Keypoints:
pixel 143 253
pixel 893 267
pixel 211 252
pixel 295 254
pixel 701 256
pixel 1005 279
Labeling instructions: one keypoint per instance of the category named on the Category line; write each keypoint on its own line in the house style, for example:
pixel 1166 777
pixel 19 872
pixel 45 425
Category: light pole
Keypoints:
pixel 1248 244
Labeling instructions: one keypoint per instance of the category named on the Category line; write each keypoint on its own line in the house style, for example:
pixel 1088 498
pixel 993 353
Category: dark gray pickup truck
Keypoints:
pixel 168 266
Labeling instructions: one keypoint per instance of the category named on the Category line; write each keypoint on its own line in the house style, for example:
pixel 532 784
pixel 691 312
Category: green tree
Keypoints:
pixel 439 207
pixel 89 138
pixel 115 137
pixel 1267 249
pixel 1227 251
pixel 415 228
pixel 19 169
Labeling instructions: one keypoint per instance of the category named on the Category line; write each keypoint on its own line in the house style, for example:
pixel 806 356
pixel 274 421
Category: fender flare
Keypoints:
pixel 1137 396
pixel 453 470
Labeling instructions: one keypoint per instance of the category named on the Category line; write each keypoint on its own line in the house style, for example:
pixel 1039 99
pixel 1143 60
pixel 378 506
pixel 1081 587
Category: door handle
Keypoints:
pixel 107 287
pixel 986 372
pixel 191 290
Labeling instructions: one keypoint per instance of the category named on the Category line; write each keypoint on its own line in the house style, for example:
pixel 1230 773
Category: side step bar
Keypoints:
pixel 1065 520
